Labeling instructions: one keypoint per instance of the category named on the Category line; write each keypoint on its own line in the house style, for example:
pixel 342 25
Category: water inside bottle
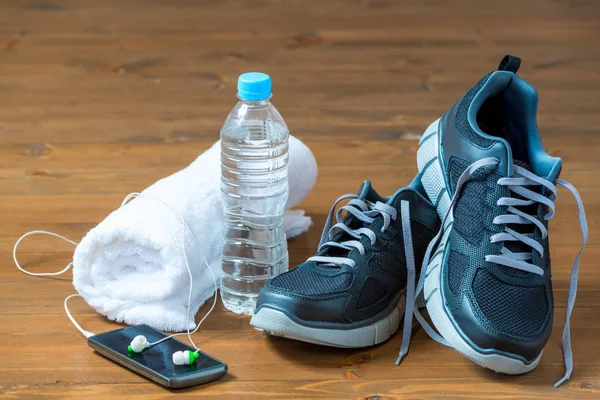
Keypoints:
pixel 254 158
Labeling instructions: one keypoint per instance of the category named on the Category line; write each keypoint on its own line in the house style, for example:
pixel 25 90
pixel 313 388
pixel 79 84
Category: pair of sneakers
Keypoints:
pixel 468 238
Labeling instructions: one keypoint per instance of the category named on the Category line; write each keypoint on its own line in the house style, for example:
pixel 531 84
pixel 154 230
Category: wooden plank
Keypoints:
pixel 99 99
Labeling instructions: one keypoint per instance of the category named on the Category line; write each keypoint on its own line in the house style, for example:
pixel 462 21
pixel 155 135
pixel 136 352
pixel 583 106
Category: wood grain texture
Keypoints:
pixel 99 99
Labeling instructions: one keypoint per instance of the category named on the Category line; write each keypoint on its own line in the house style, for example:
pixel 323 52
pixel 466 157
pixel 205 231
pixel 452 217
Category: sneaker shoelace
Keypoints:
pixel 508 258
pixel 366 213
pixel 363 211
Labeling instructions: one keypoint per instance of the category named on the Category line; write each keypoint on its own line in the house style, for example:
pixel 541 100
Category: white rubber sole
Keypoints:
pixel 434 183
pixel 277 323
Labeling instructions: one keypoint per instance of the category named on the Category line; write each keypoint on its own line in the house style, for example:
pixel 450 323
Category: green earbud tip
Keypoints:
pixel 129 349
pixel 194 356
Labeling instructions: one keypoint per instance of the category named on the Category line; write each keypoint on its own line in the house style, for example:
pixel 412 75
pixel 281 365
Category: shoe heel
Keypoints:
pixel 431 169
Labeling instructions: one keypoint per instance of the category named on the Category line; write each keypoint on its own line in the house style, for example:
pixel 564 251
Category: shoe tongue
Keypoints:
pixel 367 193
pixel 364 190
pixel 522 164
pixel 550 171
pixel 532 210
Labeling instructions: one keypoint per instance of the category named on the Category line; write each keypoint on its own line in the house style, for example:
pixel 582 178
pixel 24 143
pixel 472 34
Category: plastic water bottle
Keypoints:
pixel 254 187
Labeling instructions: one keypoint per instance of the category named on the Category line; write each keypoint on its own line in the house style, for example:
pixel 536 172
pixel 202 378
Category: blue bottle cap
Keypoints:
pixel 254 86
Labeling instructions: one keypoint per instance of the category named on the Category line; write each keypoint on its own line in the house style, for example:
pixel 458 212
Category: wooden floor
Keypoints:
pixel 102 98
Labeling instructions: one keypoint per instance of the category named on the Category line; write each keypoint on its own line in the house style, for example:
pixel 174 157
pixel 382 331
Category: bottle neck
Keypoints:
pixel 256 103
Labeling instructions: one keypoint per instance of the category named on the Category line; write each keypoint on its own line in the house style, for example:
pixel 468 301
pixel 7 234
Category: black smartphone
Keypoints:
pixel 156 363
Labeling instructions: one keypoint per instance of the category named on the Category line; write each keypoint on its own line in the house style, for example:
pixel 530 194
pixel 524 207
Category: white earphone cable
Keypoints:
pixel 41 273
pixel 184 226
pixel 85 333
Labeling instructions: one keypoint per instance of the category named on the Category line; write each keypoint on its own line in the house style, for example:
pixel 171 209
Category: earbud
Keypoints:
pixel 138 344
pixel 185 357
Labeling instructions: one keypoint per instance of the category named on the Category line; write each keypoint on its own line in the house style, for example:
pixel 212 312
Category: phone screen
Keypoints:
pixel 156 363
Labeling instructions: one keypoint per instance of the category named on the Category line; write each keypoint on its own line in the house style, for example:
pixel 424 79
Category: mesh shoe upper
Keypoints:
pixel 350 294
pixel 506 302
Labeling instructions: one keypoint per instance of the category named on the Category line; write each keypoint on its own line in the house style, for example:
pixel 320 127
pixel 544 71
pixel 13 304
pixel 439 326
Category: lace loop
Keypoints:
pixel 363 211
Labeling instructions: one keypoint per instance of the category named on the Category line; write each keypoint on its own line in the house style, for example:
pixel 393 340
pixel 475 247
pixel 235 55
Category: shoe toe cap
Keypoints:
pixel 302 307
pixel 486 338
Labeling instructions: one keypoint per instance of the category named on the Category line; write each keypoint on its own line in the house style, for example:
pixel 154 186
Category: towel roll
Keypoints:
pixel 131 267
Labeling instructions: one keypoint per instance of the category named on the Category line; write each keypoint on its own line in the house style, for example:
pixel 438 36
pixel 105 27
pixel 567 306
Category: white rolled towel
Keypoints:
pixel 131 267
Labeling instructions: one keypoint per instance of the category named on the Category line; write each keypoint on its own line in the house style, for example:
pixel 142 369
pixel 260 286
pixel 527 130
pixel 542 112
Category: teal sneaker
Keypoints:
pixel 488 283
pixel 354 291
